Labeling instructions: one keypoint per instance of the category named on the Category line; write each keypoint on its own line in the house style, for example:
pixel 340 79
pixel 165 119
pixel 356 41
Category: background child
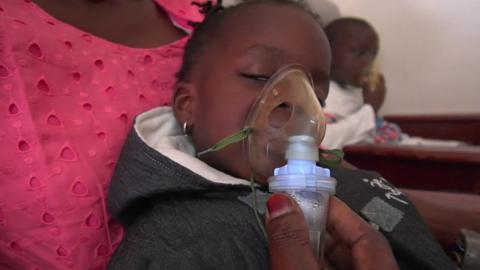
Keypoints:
pixel 182 212
pixel 357 90
pixel 354 45
pixel 353 100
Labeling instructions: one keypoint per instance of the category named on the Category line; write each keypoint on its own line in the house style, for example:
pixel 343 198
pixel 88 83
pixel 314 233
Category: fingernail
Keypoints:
pixel 278 205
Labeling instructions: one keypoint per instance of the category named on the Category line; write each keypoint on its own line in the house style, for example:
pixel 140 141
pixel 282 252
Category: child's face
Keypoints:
pixel 252 44
pixel 353 51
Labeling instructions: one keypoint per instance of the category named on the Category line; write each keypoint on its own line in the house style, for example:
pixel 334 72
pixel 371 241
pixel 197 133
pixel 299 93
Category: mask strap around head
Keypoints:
pixel 327 158
pixel 330 158
pixel 234 138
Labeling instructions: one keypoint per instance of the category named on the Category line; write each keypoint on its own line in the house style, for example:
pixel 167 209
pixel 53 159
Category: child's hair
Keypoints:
pixel 215 14
pixel 338 26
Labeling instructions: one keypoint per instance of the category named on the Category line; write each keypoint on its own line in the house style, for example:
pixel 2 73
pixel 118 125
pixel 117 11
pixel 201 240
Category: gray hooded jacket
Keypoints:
pixel 180 213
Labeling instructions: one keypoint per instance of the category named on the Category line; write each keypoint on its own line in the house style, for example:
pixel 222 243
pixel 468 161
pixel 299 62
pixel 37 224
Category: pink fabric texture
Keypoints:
pixel 67 100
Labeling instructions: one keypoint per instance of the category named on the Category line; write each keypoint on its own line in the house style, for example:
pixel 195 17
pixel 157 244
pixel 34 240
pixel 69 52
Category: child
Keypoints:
pixel 183 212
pixel 357 90
pixel 355 96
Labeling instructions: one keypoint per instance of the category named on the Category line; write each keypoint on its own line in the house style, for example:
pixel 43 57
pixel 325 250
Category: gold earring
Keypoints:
pixel 185 128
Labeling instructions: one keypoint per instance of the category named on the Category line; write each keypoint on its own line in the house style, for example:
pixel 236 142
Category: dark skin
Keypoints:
pixel 216 97
pixel 222 93
pixel 354 243
pixel 376 96
pixel 138 24
pixel 446 213
pixel 354 49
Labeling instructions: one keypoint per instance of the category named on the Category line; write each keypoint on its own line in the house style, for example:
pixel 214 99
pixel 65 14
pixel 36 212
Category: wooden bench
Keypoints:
pixel 427 167
pixel 421 167
pixel 461 127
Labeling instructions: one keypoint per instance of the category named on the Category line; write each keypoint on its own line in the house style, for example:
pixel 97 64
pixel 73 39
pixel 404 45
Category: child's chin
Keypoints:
pixel 258 178
pixel 262 181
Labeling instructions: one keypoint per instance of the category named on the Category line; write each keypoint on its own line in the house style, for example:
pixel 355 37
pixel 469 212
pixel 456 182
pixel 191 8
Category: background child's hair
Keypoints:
pixel 334 29
pixel 215 14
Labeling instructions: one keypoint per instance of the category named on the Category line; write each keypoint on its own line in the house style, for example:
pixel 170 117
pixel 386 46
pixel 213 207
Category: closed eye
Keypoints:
pixel 255 77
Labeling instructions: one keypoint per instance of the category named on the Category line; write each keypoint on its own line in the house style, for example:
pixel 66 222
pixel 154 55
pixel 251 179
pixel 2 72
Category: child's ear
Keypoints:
pixel 183 101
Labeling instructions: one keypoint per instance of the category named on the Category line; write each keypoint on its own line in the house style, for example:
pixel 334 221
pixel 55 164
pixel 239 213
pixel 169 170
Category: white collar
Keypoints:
pixel 159 129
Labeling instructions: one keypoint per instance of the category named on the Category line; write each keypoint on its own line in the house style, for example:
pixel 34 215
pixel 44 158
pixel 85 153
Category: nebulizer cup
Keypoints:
pixel 288 126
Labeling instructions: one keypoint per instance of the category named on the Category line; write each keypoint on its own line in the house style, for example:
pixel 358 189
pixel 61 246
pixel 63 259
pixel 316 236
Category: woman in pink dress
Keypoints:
pixel 72 76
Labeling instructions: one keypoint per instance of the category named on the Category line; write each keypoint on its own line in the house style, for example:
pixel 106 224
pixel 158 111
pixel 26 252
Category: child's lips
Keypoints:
pixel 363 80
pixel 360 80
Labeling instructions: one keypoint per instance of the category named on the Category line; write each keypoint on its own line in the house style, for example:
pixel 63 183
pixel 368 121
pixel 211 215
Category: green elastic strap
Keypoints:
pixel 255 206
pixel 330 158
pixel 236 137
pixel 327 158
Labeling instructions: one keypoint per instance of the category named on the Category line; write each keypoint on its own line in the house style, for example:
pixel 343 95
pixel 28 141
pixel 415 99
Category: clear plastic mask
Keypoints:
pixel 286 107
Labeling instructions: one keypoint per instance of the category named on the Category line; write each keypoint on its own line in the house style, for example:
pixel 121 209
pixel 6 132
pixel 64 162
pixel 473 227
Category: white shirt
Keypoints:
pixel 356 120
pixel 343 102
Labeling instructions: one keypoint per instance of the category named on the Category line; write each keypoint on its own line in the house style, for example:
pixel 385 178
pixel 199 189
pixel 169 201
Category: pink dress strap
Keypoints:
pixel 182 12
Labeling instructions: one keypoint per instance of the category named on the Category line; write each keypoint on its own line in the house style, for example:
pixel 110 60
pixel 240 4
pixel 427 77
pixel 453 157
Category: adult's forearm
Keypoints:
pixel 446 213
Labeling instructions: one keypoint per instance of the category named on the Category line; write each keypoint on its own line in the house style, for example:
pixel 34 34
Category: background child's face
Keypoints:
pixel 252 44
pixel 353 51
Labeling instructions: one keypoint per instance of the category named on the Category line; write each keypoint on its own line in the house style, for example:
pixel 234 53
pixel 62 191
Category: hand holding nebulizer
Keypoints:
pixel 288 125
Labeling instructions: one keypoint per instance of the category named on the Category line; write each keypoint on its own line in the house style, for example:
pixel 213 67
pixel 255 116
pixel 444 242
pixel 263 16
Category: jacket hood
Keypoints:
pixel 159 160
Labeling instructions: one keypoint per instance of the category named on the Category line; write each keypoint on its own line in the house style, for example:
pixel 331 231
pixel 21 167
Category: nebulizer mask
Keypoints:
pixel 283 132
pixel 288 125
pixel 286 111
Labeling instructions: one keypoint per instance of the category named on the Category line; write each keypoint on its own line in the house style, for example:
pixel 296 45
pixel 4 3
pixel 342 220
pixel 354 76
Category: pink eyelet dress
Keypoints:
pixel 67 99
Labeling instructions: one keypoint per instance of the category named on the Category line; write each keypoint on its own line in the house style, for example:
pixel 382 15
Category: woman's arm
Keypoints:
pixel 446 213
